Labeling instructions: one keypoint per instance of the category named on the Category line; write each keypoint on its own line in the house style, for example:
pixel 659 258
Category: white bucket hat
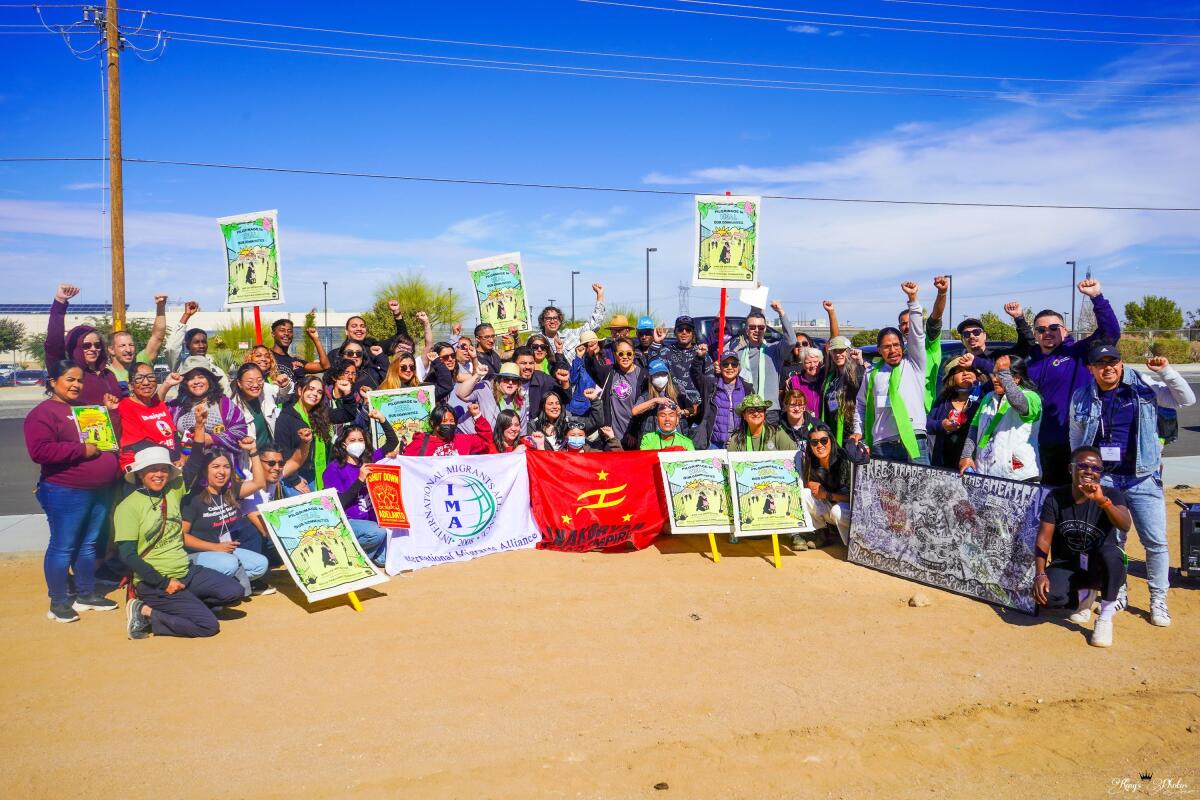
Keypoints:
pixel 150 457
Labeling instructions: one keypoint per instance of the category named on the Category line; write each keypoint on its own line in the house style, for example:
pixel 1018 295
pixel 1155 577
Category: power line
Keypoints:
pixel 934 21
pixel 1041 11
pixel 582 187
pixel 609 72
pixel 973 34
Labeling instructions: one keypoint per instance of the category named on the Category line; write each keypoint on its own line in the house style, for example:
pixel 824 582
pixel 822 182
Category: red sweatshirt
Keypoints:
pixel 138 422
pixel 53 442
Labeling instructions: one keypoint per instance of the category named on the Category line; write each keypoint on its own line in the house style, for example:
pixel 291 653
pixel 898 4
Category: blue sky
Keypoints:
pixel 203 102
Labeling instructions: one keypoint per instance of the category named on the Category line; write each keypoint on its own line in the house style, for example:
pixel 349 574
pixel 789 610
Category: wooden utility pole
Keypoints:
pixel 116 202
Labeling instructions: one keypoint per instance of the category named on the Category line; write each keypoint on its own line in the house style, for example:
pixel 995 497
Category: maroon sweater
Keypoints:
pixel 53 442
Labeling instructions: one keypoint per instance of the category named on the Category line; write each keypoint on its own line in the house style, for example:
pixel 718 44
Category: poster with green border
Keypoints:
pixel 500 294
pixel 697 489
pixel 320 550
pixel 252 267
pixel 407 409
pixel 95 427
pixel 768 494
pixel 727 241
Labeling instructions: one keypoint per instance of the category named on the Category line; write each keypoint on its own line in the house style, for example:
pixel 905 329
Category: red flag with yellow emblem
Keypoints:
pixel 596 501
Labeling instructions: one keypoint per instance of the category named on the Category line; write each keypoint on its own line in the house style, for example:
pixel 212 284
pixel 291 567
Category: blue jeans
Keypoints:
pixel 76 518
pixel 245 565
pixel 1149 511
pixel 894 451
pixel 372 538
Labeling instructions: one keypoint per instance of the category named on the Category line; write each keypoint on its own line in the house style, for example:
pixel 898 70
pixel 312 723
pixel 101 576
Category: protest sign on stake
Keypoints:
pixel 697 493
pixel 769 498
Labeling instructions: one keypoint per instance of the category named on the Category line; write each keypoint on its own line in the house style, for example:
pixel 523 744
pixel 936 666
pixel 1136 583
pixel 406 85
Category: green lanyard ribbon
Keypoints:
pixel 318 445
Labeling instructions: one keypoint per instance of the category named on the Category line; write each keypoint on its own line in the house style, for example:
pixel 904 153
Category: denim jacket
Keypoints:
pixel 1166 389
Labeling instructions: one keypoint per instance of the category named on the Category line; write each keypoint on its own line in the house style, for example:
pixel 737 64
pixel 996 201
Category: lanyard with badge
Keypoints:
pixel 1110 451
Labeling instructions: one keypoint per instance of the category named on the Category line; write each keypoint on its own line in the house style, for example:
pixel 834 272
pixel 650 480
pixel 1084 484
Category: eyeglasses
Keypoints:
pixel 1045 328
pixel 91 346
pixel 487 336
pixel 819 441
pixel 1095 469
pixel 971 333
pixel 148 378
pixel 756 327
pixel 551 318
pixel 274 462
pixel 252 384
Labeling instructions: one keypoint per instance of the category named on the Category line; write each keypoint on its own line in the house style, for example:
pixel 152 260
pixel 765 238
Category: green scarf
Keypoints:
pixel 899 412
pixel 841 412
pixel 933 368
pixel 1035 411
pixel 318 444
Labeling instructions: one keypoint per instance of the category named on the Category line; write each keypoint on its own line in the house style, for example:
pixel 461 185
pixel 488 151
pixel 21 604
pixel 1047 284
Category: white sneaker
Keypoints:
pixel 1102 633
pixel 1158 608
pixel 1083 614
pixel 1122 598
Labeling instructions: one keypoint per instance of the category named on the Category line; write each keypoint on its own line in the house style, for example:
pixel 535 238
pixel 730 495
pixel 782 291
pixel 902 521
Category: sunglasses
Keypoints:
pixel 756 411
pixel 1095 469
pixel 971 333
pixel 540 347
pixel 624 354
pixel 728 364
pixel 91 346
pixel 406 368
pixel 446 356
pixel 1046 328
pixel 819 441
pixel 353 353
pixel 274 462
pixel 756 327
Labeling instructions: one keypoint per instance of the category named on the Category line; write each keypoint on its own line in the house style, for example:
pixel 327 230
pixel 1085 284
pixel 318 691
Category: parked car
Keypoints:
pixel 161 371
pixel 6 370
pixel 30 377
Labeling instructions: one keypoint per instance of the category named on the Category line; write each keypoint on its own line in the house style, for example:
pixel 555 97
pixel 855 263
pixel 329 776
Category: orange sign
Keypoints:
pixel 383 484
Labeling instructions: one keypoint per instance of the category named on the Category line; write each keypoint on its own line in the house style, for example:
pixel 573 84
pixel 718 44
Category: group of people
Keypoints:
pixel 203 448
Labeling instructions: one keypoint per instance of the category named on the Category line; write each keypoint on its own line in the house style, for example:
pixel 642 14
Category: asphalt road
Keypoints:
pixel 18 474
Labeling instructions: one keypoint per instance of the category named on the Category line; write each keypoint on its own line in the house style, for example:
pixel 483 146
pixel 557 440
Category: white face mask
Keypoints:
pixel 356 449
pixel 659 381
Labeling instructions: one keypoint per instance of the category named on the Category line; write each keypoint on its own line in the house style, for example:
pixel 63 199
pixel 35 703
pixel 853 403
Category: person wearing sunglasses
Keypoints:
pixel 762 362
pixel 621 385
pixel 278 473
pixel 1117 413
pixel 932 324
pixel 826 471
pixel 1078 551
pixel 83 345
pixel 722 394
pixel 1058 365
pixel 975 338
pixel 688 361
pixel 563 341
pixel 1002 440
pixel 401 373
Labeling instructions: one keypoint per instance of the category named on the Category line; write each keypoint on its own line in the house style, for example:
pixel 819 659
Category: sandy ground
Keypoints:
pixel 534 674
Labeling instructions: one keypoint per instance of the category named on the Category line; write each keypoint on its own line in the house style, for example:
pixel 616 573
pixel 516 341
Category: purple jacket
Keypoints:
pixel 1059 373
pixel 52 440
pixel 97 382
pixel 344 477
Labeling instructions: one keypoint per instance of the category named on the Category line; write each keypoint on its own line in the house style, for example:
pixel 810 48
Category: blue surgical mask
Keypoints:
pixel 576 442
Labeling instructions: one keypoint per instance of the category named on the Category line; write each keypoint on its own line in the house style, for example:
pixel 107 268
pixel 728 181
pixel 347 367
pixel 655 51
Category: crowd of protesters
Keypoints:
pixel 174 511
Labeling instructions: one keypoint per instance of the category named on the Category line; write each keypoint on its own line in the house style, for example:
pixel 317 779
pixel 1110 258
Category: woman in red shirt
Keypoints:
pixel 446 440
pixel 144 415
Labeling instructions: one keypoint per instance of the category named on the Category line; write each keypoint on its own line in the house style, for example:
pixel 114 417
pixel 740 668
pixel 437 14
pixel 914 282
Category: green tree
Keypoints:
pixel 223 343
pixel 414 294
pixel 865 338
pixel 308 348
pixel 35 345
pixel 631 313
pixel 12 334
pixel 140 329
pixel 1153 313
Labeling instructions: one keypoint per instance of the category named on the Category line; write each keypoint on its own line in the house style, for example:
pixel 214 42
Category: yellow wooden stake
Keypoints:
pixel 354 601
pixel 775 547
pixel 712 543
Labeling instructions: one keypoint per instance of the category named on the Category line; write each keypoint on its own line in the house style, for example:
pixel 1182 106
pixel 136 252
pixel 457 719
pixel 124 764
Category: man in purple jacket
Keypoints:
pixel 1059 367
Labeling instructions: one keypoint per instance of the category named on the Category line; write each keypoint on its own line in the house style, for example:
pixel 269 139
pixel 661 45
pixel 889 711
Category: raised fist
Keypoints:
pixel 190 308
pixel 160 299
pixel 660 334
pixel 1157 363
pixel 65 292
pixel 394 307
pixel 1014 310
pixel 312 334
pixel 1090 287
pixel 942 284
pixel 422 317
pixel 246 443
pixel 456 329
pixel 305 435
pixel 777 307
pixel 910 288
pixel 598 289
pixel 827 305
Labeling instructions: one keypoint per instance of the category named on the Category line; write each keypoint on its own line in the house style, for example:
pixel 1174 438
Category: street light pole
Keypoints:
pixel 574 272
pixel 1072 263
pixel 649 250
pixel 328 340
pixel 950 311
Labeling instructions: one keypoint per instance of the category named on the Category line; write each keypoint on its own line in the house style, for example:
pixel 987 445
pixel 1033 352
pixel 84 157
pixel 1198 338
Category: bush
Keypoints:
pixel 1133 349
pixel 864 338
pixel 1177 351
pixel 1194 354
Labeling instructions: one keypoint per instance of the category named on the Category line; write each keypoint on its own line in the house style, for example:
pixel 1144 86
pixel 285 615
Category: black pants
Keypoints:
pixel 1105 571
pixel 1055 461
pixel 187 613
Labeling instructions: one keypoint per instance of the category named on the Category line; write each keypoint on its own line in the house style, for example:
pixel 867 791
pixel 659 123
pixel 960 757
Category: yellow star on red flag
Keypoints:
pixel 566 519
pixel 601 475
pixel 627 517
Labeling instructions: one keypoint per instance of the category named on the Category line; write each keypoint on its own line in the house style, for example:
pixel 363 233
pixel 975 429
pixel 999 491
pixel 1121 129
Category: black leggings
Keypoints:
pixel 1105 571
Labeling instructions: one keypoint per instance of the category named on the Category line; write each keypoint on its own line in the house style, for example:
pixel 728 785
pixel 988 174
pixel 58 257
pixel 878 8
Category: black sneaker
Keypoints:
pixel 93 602
pixel 137 625
pixel 62 612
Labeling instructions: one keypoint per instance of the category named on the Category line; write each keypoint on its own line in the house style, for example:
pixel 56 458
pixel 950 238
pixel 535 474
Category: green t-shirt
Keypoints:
pixel 652 441
pixel 139 519
pixel 122 373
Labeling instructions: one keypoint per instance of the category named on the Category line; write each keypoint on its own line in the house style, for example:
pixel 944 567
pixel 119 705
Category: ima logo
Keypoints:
pixel 460 504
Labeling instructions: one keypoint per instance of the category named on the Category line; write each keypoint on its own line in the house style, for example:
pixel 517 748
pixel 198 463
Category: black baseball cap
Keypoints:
pixel 969 322
pixel 1102 349
pixel 684 321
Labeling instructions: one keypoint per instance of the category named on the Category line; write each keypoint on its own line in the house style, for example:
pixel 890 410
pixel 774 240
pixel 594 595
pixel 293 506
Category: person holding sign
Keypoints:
pixel 75 490
pixel 889 414
pixel 1078 546
pixel 347 472
pixel 1003 439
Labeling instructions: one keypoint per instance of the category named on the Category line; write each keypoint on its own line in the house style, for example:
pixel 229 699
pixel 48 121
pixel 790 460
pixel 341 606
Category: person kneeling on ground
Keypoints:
pixel 1077 546
pixel 174 596
pixel 825 469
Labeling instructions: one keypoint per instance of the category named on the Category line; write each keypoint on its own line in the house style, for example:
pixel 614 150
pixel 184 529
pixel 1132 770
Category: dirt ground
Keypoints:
pixel 536 674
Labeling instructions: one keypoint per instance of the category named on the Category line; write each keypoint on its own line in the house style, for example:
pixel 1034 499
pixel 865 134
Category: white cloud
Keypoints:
pixel 83 186
pixel 803 29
